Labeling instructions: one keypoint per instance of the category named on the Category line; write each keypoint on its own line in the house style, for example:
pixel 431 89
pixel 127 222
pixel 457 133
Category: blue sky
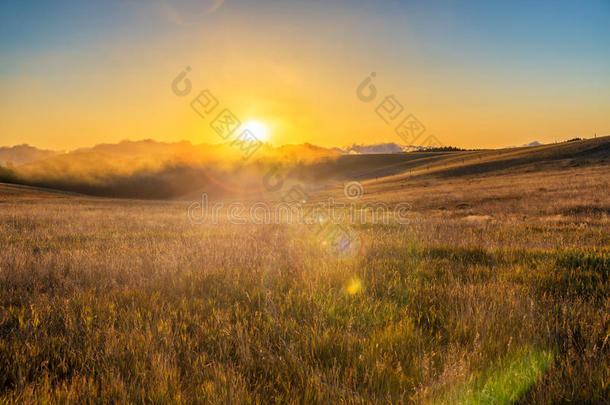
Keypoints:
pixel 515 70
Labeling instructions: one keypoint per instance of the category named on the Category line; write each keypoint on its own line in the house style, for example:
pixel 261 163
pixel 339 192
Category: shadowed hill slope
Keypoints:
pixel 445 165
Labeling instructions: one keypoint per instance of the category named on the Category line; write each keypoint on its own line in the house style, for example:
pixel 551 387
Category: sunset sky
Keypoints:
pixel 476 74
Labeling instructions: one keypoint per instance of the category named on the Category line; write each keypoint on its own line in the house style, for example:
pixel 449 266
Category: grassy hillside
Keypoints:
pixel 151 170
pixel 495 291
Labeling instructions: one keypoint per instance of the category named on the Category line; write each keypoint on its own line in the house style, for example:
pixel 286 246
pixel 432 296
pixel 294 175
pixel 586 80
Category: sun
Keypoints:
pixel 258 129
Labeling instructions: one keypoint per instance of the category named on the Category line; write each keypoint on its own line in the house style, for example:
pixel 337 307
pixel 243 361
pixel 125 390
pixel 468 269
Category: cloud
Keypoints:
pixel 389 147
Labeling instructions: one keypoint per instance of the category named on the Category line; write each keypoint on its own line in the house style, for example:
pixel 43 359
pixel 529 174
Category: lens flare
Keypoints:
pixel 354 286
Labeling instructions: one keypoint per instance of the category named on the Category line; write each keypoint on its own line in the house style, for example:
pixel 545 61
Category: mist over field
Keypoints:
pixel 153 170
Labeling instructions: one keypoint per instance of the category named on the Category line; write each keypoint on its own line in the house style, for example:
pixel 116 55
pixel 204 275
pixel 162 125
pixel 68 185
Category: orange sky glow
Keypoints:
pixel 295 69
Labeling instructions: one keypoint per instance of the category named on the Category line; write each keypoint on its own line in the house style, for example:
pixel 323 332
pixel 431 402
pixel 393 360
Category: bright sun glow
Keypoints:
pixel 260 130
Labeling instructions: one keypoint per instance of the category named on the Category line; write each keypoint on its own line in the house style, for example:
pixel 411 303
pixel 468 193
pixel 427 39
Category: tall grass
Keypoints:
pixel 126 301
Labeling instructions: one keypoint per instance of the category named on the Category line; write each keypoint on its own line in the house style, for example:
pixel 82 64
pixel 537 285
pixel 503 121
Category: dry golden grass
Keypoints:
pixel 497 291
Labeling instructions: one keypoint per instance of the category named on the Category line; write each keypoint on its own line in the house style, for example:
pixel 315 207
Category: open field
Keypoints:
pixel 495 291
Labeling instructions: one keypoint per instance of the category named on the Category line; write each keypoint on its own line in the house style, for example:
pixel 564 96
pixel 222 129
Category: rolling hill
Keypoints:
pixel 152 170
